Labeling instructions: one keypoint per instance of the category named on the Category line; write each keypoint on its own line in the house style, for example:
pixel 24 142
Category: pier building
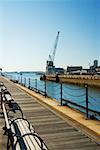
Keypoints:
pixel 59 70
pixel 71 69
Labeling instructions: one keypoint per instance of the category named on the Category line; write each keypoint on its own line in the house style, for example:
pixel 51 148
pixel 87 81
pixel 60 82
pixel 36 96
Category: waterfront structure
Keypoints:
pixel 59 70
pixel 50 68
pixel 74 69
pixel 95 63
pixel 98 70
pixel 94 68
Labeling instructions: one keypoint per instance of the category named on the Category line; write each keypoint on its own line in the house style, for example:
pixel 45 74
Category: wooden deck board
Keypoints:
pixel 56 132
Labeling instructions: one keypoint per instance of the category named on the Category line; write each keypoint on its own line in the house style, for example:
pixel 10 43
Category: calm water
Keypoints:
pixel 70 92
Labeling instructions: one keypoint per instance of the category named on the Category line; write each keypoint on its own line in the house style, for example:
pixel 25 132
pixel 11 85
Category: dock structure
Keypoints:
pixel 92 81
pixel 57 133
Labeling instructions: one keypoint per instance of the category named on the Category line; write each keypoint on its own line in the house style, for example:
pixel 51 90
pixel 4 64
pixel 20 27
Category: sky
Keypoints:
pixel 28 30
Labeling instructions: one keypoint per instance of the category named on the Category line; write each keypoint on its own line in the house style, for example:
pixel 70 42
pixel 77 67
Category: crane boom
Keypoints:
pixel 52 56
pixel 55 46
pixel 50 68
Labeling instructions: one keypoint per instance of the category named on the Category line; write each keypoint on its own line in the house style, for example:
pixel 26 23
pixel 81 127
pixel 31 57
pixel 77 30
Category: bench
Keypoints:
pixel 21 134
pixel 24 136
pixel 2 89
pixel 12 105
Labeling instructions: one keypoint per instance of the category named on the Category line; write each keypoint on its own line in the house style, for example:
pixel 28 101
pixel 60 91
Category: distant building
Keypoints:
pixel 59 70
pixel 98 69
pixel 94 67
pixel 95 63
pixel 72 69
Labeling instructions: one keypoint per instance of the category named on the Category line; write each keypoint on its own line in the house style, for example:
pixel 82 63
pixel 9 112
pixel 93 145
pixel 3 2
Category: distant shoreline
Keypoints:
pixel 92 81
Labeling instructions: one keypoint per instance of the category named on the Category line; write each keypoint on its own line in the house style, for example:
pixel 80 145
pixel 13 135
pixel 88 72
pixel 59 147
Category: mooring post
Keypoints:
pixel 86 86
pixel 61 93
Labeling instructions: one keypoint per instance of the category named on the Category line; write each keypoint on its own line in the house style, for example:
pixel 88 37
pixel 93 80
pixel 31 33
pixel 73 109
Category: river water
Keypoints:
pixel 71 92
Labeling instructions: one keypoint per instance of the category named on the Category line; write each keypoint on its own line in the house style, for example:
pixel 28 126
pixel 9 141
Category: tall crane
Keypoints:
pixel 52 56
pixel 50 68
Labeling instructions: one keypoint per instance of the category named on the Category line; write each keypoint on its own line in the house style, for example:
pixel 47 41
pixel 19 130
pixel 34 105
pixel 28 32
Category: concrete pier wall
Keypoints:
pixel 93 81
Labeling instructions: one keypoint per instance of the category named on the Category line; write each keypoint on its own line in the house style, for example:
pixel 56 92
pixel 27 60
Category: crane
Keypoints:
pixel 50 68
pixel 52 56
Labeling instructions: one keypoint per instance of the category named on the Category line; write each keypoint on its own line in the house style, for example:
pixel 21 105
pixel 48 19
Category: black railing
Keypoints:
pixel 62 92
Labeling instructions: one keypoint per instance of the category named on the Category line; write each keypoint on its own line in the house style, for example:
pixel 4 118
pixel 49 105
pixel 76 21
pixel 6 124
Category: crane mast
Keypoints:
pixel 55 47
pixel 50 68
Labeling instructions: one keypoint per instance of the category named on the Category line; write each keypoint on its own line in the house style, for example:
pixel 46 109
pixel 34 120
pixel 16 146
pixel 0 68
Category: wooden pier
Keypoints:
pixel 57 133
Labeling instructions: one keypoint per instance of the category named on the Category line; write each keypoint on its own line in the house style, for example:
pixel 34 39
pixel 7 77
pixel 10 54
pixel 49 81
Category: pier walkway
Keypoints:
pixel 57 133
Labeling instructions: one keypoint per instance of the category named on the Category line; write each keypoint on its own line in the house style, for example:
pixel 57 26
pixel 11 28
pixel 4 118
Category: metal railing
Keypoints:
pixel 78 98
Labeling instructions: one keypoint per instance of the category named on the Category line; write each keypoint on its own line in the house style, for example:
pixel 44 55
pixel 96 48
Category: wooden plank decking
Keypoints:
pixel 56 132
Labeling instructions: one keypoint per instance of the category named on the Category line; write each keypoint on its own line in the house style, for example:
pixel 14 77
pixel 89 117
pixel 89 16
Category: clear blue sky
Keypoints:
pixel 28 29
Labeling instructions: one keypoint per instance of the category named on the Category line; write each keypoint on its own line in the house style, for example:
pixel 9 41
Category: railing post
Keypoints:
pixel 24 81
pixel 45 88
pixel 1 98
pixel 29 83
pixel 21 79
pixel 18 79
pixel 86 100
pixel 61 93
pixel 36 84
pixel 11 77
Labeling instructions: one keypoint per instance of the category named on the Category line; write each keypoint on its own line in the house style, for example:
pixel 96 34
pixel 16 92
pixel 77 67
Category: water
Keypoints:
pixel 74 93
